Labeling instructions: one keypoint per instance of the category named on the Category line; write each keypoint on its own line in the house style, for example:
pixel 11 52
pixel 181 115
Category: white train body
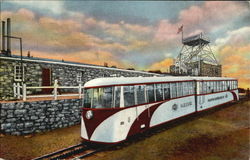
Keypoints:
pixel 116 108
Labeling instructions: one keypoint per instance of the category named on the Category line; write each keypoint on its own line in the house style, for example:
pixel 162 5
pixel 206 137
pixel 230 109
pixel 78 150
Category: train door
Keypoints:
pixel 141 98
pixel 201 92
pixel 146 100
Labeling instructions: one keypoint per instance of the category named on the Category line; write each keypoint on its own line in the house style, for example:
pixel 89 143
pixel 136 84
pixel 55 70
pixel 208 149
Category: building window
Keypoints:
pixel 79 77
pixel 19 73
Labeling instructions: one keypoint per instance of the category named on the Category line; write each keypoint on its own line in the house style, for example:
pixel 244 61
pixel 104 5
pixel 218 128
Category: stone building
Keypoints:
pixel 42 72
pixel 199 69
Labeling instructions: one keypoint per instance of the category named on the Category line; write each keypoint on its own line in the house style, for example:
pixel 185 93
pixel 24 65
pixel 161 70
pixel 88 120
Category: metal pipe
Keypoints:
pixel 3 36
pixel 8 37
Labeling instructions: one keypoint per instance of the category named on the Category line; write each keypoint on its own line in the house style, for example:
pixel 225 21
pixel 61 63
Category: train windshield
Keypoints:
pixel 99 97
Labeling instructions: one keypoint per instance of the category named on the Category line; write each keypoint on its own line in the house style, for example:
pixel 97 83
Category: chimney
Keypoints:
pixel 3 38
pixel 8 38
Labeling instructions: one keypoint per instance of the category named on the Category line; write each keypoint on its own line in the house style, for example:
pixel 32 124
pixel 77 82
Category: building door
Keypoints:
pixel 46 80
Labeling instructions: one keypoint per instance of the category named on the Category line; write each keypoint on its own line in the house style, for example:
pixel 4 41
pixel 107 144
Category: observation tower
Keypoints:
pixel 196 58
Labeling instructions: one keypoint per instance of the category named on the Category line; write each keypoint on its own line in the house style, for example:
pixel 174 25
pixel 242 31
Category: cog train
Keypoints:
pixel 117 108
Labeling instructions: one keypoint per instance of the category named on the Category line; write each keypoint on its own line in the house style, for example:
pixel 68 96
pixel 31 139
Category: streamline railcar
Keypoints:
pixel 116 108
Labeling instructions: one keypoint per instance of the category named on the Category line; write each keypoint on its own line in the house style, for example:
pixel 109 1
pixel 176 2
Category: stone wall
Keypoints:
pixel 20 118
pixel 205 70
pixel 65 72
pixel 211 70
pixel 33 77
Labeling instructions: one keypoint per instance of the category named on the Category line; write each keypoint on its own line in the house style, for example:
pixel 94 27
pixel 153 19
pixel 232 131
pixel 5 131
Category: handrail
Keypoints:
pixel 20 91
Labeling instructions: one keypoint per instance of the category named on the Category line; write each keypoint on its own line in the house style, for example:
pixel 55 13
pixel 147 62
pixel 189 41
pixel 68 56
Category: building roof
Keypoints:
pixel 69 63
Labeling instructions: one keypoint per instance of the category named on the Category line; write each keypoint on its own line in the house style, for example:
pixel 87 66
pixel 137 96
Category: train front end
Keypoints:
pixel 98 119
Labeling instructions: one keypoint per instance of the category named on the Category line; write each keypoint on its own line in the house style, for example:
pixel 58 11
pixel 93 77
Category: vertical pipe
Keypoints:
pixel 8 37
pixel 21 50
pixel 3 38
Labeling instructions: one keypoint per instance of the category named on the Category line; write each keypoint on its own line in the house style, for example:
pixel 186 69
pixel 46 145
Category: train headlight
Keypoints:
pixel 89 114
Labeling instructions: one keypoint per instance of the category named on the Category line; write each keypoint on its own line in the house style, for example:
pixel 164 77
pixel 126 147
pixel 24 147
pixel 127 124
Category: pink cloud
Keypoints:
pixel 166 31
pixel 138 28
pixel 26 13
pixel 59 25
pixel 209 16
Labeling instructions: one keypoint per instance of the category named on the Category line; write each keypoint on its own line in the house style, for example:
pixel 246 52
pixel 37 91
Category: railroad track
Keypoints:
pixel 82 150
pixel 75 152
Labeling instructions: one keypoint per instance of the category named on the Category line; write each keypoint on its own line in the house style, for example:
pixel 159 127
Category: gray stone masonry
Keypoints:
pixel 20 118
pixel 65 72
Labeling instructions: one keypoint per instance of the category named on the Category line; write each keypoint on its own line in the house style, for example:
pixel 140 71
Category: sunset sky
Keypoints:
pixel 131 34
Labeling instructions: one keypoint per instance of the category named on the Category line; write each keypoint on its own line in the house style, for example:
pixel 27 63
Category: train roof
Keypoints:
pixel 109 81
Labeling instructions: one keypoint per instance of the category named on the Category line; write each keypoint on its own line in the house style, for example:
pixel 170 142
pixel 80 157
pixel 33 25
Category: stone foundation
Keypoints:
pixel 20 118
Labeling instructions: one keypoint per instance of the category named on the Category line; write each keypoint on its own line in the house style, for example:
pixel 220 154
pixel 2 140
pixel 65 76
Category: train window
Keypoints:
pixel 221 85
pixel 209 84
pixel 129 96
pixel 166 90
pixel 225 85
pixel 217 86
pixel 117 96
pixel 179 89
pixel 140 94
pixel 173 90
pixel 228 85
pixel 191 87
pixel 234 84
pixel 151 93
pixel 200 87
pixel 102 97
pixel 159 92
pixel 184 86
pixel 204 87
pixel 87 98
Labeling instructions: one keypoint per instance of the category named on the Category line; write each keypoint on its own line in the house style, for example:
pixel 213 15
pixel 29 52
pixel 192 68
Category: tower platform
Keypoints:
pixel 195 40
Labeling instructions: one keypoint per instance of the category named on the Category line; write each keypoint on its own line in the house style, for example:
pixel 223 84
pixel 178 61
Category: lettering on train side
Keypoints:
pixel 186 104
pixel 217 98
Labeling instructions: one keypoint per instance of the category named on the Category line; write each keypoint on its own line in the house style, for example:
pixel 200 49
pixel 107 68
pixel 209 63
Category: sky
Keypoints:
pixel 132 34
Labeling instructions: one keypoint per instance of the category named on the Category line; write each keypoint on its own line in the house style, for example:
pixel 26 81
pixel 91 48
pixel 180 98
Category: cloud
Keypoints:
pixel 59 35
pixel 56 7
pixel 87 57
pixel 59 25
pixel 209 16
pixel 78 36
pixel 162 65
pixel 233 51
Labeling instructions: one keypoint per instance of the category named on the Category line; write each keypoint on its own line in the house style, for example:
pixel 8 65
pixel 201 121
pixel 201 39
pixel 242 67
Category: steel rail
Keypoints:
pixel 59 152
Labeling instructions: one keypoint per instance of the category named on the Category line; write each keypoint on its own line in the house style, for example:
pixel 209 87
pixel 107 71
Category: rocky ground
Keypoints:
pixel 220 134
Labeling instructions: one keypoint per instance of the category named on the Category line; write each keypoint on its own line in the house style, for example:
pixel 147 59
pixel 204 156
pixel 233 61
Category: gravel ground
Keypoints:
pixel 221 134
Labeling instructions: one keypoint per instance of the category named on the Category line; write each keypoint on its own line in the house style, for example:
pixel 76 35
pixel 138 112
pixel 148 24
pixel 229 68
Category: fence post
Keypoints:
pixel 18 91
pixel 14 89
pixel 80 90
pixel 24 92
pixel 55 89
